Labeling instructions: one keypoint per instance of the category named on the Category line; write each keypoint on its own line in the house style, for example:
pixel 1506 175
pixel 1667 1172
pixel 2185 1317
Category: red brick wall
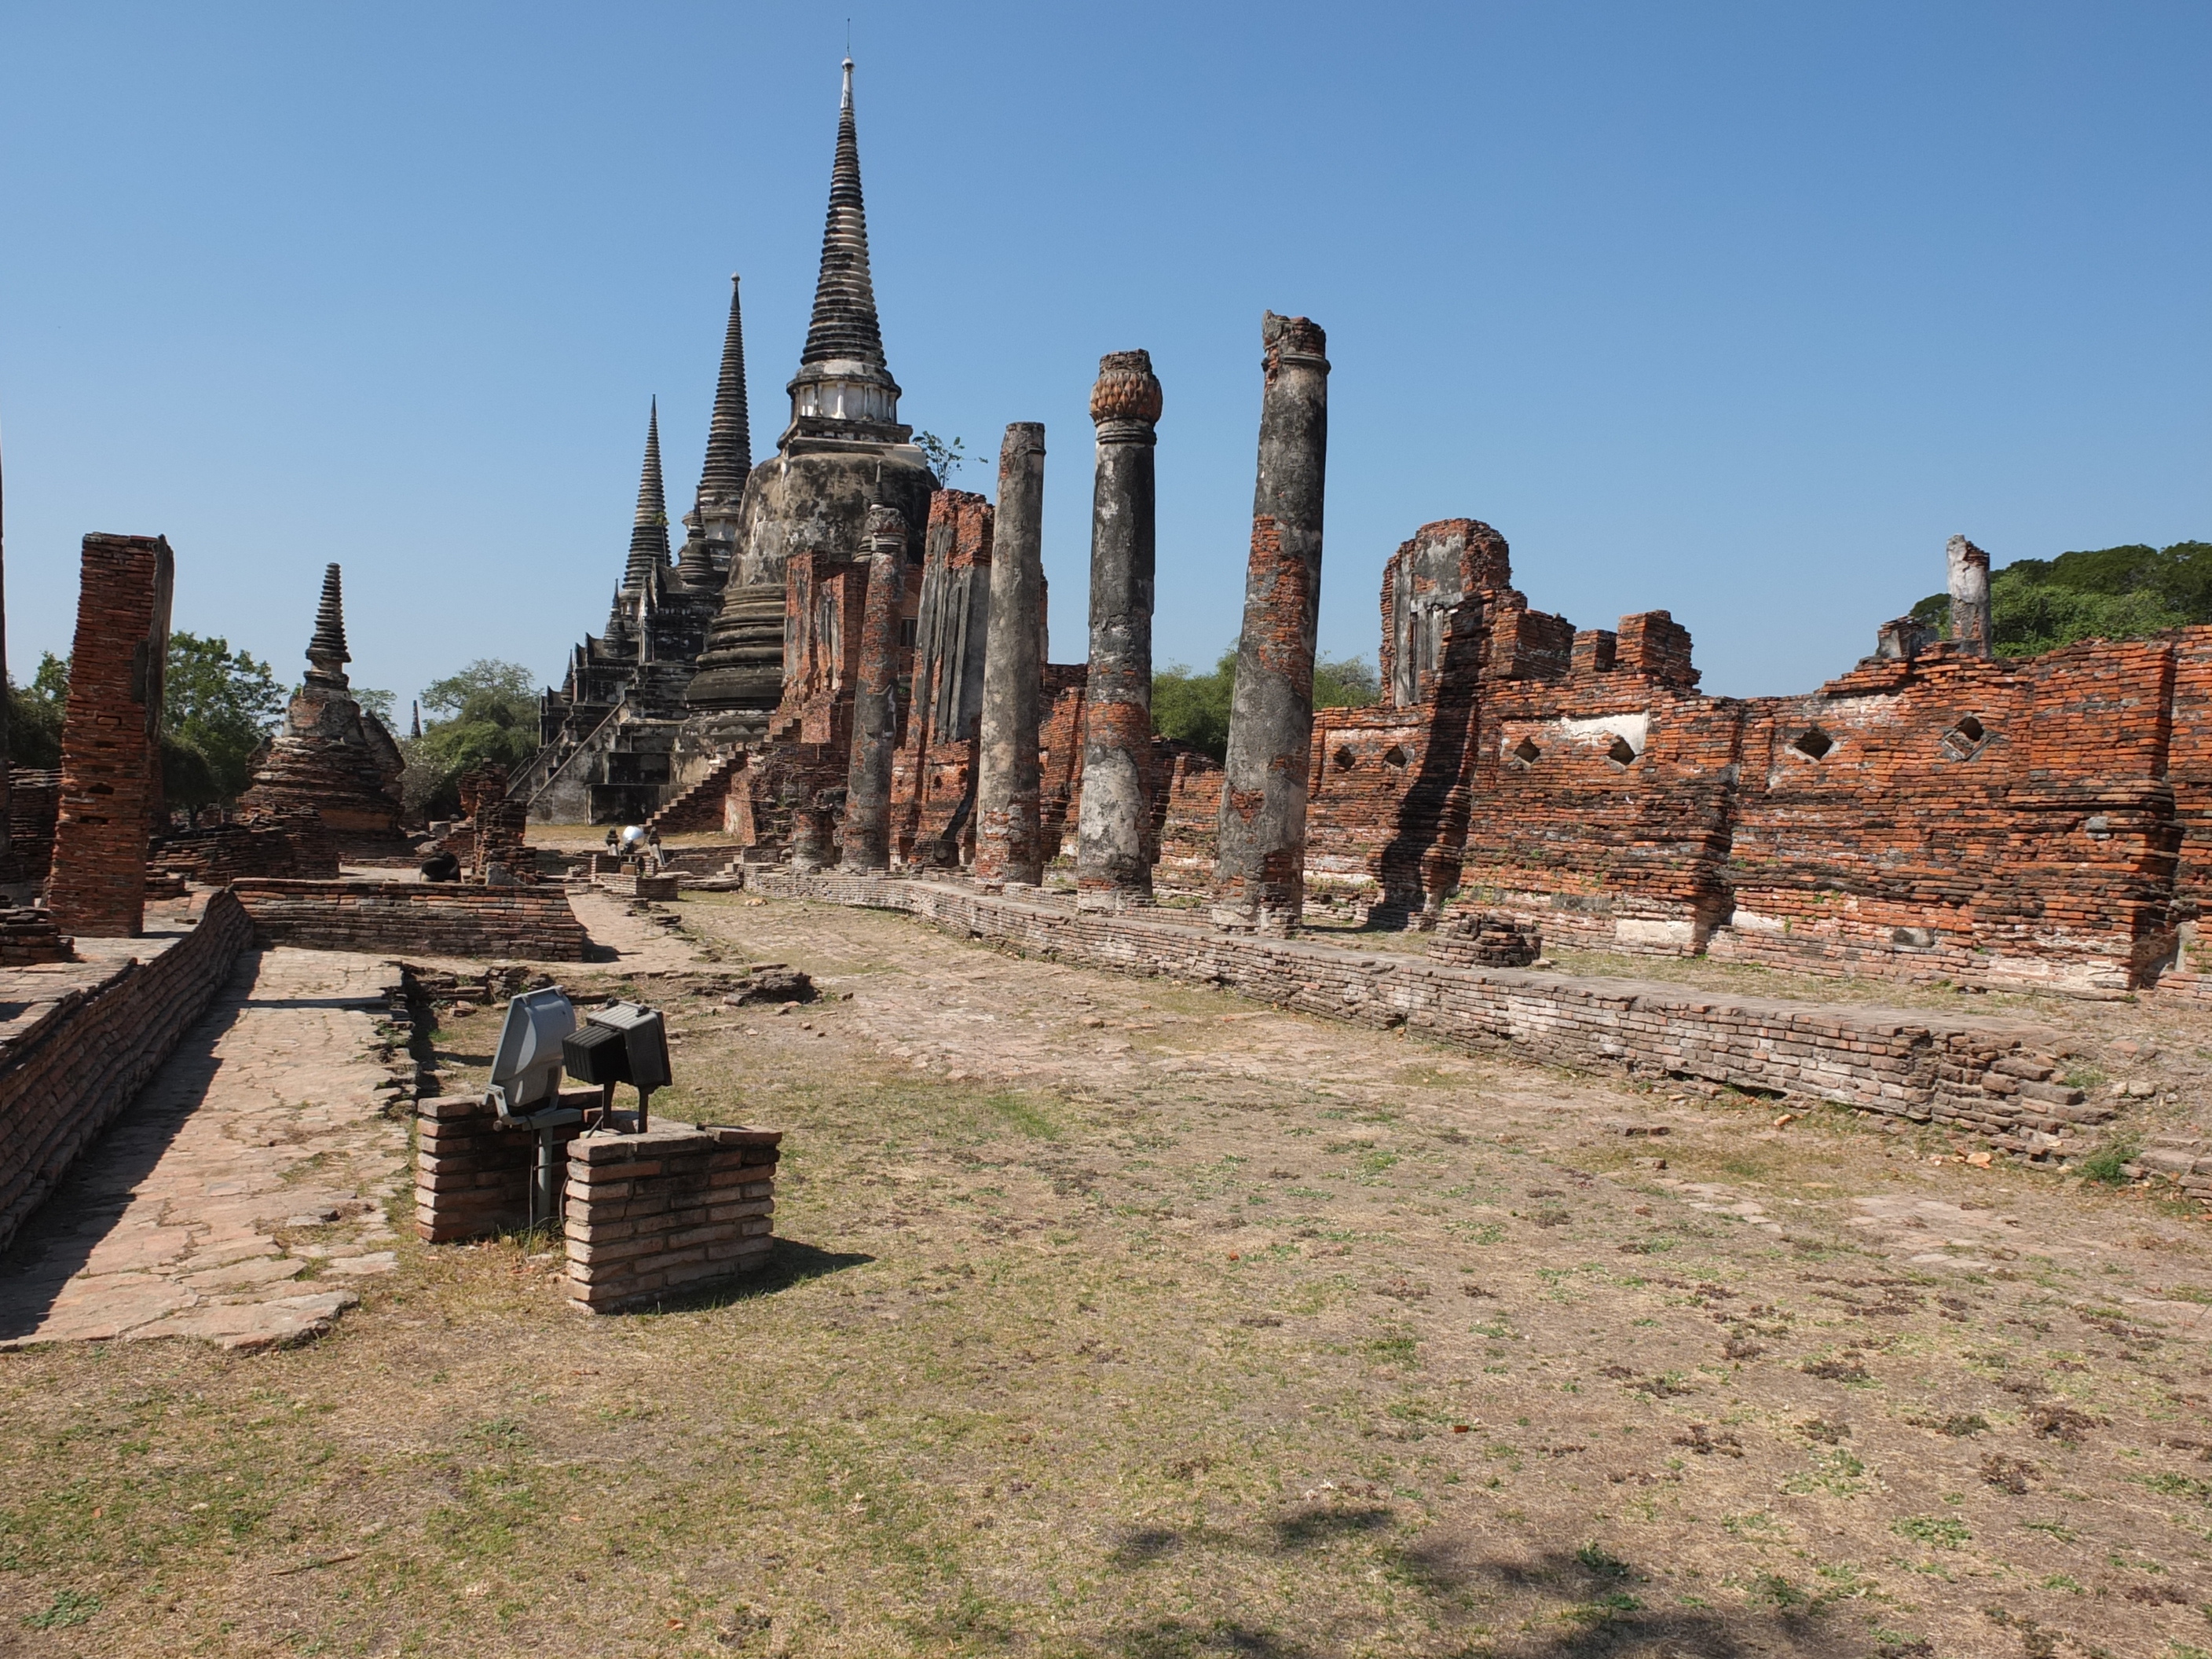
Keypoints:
pixel 432 918
pixel 111 764
pixel 2040 852
pixel 86 1038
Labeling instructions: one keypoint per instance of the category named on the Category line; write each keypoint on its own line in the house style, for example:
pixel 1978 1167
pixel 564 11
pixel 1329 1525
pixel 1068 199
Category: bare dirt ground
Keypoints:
pixel 1118 1318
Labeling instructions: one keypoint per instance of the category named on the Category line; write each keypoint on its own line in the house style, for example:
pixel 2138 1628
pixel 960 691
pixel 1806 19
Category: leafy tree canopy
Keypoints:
pixel 486 713
pixel 218 705
pixel 2110 593
pixel 1193 708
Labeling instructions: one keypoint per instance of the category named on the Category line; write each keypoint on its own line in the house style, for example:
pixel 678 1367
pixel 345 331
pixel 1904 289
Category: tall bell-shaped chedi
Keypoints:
pixel 843 452
pixel 332 757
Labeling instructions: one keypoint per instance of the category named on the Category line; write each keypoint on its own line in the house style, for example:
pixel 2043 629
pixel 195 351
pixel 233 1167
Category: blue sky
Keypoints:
pixel 1736 310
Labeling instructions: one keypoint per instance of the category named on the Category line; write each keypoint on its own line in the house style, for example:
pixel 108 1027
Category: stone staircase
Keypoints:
pixel 700 806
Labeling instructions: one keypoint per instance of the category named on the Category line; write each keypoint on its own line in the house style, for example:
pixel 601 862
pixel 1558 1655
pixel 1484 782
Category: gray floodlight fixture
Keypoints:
pixel 525 1066
pixel 622 1042
pixel 526 1087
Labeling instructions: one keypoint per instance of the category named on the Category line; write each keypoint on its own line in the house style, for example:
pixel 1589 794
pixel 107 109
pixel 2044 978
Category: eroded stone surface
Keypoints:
pixel 184 1221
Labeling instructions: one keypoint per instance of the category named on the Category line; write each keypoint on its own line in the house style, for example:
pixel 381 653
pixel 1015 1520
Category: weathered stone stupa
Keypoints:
pixel 844 452
pixel 331 755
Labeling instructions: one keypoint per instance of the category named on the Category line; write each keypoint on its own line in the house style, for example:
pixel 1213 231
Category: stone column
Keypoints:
pixel 1259 873
pixel 1008 846
pixel 1111 867
pixel 110 749
pixel 875 712
pixel 1970 596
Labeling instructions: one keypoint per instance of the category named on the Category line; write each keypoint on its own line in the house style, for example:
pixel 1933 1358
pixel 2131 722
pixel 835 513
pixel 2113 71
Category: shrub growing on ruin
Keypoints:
pixel 2108 593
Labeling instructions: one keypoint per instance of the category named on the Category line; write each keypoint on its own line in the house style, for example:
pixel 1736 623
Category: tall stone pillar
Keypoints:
pixel 1259 873
pixel 1970 596
pixel 1008 846
pixel 1111 867
pixel 875 712
pixel 111 738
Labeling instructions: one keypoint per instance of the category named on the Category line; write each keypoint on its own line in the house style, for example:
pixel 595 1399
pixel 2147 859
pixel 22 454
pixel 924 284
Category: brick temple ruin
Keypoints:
pixel 1934 813
pixel 844 677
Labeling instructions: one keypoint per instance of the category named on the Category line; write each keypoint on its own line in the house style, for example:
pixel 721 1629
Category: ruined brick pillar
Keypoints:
pixel 1970 596
pixel 1111 869
pixel 1008 846
pixel 111 748
pixel 875 712
pixel 1259 873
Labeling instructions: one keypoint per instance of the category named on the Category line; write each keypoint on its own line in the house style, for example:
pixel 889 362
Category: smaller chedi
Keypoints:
pixel 331 755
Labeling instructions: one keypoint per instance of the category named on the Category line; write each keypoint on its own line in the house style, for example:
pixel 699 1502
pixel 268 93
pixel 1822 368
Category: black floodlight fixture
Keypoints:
pixel 526 1086
pixel 624 1042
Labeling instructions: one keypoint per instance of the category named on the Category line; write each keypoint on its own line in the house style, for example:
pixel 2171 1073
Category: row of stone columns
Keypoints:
pixel 1258 879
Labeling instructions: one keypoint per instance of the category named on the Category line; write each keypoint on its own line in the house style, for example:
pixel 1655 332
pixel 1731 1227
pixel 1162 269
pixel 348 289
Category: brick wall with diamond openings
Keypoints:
pixel 1997 823
pixel 666 1214
pixel 111 794
pixel 1601 807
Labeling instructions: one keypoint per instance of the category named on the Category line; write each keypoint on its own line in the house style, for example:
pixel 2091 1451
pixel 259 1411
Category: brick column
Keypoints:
pixel 1970 596
pixel 1007 843
pixel 1259 876
pixel 1111 869
pixel 674 1211
pixel 110 749
pixel 875 712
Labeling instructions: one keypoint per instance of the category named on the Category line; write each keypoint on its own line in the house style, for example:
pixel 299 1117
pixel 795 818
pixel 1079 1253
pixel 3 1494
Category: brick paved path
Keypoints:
pixel 238 1197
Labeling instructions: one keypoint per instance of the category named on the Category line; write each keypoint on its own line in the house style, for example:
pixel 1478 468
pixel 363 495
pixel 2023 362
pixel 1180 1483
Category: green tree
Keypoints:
pixel 2110 593
pixel 1193 708
pixel 35 715
pixel 486 713
pixel 218 706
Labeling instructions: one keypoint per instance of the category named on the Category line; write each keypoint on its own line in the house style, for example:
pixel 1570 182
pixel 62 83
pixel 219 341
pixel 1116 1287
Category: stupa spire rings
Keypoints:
pixel 648 535
pixel 844 390
pixel 327 655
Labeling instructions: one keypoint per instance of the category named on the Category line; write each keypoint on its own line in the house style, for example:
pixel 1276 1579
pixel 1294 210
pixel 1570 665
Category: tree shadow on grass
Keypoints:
pixel 1599 1612
pixel 789 1263
pixel 1172 1638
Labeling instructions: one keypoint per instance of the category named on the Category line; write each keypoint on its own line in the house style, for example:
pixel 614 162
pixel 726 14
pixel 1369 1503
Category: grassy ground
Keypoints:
pixel 1114 1318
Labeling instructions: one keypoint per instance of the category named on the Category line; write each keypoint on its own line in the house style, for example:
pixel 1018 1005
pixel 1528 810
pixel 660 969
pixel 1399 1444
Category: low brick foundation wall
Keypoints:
pixel 668 1211
pixel 428 918
pixel 656 886
pixel 82 1038
pixel 1984 1077
pixel 472 1172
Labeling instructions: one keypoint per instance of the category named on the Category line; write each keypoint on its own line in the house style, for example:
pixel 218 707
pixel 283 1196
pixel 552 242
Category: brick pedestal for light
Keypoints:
pixel 471 1171
pixel 672 1210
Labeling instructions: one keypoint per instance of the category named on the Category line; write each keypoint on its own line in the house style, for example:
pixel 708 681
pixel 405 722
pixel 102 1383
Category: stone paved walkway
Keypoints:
pixel 241 1193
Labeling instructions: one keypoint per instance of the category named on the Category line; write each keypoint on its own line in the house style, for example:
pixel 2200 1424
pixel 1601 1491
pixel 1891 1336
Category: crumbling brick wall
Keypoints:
pixel 110 796
pixel 293 846
pixel 1994 1078
pixel 85 1038
pixel 498 826
pixel 34 805
pixel 2001 823
pixel 431 918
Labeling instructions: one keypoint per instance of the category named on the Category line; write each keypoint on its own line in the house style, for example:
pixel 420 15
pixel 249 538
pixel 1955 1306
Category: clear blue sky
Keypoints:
pixel 1736 310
